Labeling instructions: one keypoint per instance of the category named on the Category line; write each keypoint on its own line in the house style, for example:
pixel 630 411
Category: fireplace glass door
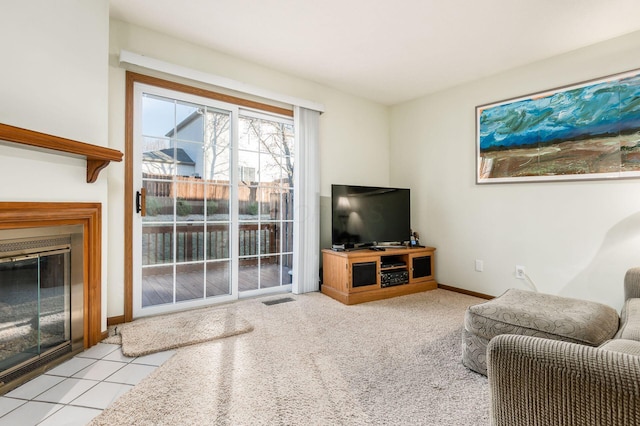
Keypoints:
pixel 34 306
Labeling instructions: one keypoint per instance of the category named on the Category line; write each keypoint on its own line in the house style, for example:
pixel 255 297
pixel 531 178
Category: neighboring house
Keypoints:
pixel 189 129
pixel 169 162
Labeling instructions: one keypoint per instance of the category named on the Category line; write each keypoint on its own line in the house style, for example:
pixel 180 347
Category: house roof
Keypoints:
pixel 169 155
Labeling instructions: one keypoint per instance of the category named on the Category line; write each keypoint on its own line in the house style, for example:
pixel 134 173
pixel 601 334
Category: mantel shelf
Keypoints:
pixel 98 157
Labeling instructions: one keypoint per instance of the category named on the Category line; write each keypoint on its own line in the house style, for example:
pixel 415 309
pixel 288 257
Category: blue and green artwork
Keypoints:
pixel 586 131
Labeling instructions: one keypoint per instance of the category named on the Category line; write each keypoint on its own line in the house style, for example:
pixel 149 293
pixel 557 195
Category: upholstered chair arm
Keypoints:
pixel 536 381
pixel 632 283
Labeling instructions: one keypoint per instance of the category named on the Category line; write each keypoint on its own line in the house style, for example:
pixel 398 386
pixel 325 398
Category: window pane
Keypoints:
pixel 189 282
pixel 248 205
pixel 266 136
pixel 218 279
pixel 270 169
pixel 287 237
pixel 158 115
pixel 157 285
pixel 279 204
pixel 189 122
pixel 269 199
pixel 159 200
pixel 216 163
pixel 189 159
pixel 189 199
pixel 217 146
pixel 269 238
pixel 249 240
pixel 248 166
pixel 248 274
pixel 218 241
pixel 157 244
pixel 287 174
pixel 276 138
pixel 158 156
pixel 287 205
pixel 287 269
pixel 264 168
pixel 189 243
pixel 218 128
pixel 270 271
pixel 288 142
pixel 248 139
pixel 217 202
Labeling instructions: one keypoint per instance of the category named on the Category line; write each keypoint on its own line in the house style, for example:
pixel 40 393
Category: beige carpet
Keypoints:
pixel 314 361
pixel 160 333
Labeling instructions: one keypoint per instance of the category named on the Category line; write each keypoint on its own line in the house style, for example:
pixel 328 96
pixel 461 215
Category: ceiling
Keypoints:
pixel 388 51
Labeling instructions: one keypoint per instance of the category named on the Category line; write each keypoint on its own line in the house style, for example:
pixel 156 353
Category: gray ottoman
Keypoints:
pixel 534 314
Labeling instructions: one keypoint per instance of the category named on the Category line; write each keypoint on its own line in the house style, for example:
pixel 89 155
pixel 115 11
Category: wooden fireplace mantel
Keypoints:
pixel 98 157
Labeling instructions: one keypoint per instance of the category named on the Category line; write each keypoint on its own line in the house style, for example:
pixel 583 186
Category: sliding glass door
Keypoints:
pixel 214 215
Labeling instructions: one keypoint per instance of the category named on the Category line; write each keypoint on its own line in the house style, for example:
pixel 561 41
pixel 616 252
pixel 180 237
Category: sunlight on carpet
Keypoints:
pixel 319 362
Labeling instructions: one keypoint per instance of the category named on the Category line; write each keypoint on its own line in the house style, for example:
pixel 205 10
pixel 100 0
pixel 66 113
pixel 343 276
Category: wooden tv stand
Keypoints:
pixel 364 275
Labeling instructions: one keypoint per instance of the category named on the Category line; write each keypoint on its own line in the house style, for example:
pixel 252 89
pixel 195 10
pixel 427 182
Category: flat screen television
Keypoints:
pixel 368 215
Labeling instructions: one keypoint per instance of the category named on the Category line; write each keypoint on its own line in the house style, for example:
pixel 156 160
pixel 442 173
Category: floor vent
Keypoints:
pixel 278 301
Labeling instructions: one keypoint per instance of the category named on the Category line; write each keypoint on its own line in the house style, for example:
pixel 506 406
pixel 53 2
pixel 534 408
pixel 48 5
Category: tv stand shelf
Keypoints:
pixel 364 275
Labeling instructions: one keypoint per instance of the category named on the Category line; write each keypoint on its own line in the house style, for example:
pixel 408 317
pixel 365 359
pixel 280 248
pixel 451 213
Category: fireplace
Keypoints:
pixel 41 297
pixel 83 284
pixel 50 285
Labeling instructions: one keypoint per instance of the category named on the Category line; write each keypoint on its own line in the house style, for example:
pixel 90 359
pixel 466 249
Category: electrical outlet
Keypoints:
pixel 479 265
pixel 520 274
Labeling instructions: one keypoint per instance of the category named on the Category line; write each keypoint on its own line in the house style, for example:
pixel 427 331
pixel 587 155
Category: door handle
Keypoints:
pixel 141 202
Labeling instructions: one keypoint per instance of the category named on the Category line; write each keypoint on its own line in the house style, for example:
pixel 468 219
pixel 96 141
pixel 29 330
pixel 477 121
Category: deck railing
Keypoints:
pixel 192 242
pixel 254 240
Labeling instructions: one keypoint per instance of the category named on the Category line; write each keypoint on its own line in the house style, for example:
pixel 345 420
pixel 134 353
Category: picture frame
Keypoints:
pixel 589 130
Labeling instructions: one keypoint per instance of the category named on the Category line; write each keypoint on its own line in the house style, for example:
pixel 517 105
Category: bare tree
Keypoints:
pixel 276 139
pixel 216 150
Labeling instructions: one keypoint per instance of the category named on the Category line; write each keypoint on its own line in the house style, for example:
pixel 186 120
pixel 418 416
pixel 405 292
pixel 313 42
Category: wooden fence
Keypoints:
pixel 185 188
pixel 194 188
pixel 192 191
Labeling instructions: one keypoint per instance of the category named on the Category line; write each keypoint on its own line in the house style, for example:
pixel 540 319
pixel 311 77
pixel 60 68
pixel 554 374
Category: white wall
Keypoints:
pixel 354 133
pixel 574 238
pixel 53 79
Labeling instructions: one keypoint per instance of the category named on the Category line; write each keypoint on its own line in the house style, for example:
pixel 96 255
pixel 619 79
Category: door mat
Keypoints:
pixel 160 333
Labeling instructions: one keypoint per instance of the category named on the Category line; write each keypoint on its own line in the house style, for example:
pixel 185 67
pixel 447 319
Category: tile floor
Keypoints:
pixel 76 391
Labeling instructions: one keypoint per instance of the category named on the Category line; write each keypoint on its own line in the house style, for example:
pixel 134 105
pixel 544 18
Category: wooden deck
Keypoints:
pixel 157 289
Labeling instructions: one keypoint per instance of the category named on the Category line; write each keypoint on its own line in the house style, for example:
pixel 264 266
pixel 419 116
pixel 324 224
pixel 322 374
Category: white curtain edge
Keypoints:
pixel 306 227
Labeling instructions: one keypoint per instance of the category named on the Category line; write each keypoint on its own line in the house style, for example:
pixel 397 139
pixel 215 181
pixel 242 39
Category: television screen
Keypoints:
pixel 365 215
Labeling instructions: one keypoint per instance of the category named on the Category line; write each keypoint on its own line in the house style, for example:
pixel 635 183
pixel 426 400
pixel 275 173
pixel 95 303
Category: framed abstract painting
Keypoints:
pixel 589 130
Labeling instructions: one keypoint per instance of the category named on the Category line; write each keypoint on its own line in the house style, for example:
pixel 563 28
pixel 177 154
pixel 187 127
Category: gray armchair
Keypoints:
pixel 538 381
